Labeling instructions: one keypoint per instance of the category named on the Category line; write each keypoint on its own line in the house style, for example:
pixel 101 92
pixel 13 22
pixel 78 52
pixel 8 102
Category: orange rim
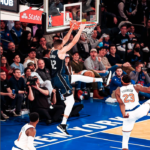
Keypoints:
pixel 77 24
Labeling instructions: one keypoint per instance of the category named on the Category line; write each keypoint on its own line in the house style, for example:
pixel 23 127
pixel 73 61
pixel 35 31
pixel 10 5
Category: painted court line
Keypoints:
pixel 115 141
pixel 68 139
pixel 115 147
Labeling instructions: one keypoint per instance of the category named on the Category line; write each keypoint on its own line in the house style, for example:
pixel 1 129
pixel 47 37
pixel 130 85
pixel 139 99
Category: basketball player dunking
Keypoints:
pixel 127 97
pixel 59 78
pixel 27 134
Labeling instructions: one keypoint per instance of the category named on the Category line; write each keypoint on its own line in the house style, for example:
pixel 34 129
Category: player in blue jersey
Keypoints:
pixel 62 81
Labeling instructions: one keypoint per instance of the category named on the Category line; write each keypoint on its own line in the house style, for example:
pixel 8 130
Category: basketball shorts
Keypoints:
pixel 63 83
pixel 134 115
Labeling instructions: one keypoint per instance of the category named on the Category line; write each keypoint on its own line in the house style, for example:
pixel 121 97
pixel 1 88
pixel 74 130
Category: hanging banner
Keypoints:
pixel 31 16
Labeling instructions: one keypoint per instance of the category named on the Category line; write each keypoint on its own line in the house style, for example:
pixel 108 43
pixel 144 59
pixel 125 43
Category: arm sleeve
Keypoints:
pixel 110 14
pixel 30 143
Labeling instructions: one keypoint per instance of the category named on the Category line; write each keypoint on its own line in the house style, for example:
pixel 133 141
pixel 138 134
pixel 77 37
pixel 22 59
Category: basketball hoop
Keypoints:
pixel 88 29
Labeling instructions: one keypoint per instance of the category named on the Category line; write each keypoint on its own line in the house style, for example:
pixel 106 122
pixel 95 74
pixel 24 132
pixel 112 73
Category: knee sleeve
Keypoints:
pixel 69 104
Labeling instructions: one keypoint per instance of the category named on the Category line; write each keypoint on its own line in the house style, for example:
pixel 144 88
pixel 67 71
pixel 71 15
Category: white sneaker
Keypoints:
pixel 16 115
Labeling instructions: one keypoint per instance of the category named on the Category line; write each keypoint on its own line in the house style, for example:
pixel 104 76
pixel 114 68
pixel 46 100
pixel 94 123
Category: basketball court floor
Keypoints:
pixel 98 127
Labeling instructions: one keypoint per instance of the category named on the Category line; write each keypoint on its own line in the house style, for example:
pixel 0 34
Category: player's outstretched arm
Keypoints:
pixel 140 88
pixel 62 52
pixel 66 38
pixel 121 104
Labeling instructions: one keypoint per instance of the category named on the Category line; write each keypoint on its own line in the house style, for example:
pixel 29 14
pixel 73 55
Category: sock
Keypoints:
pixel 64 121
pixel 98 80
pixel 125 140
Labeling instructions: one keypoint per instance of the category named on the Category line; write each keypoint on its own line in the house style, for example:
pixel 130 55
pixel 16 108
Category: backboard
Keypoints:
pixel 60 12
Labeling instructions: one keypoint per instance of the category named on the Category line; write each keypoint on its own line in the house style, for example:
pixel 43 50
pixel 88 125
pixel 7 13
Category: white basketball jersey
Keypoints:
pixel 21 142
pixel 129 96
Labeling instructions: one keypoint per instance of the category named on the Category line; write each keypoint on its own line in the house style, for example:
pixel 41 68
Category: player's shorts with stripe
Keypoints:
pixel 62 82
pixel 134 115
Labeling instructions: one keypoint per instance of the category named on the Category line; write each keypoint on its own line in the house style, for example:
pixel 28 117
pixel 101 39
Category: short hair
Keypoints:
pixel 45 52
pixel 25 70
pixel 99 49
pixel 40 59
pixel 126 78
pixel 15 56
pixel 2 71
pixel 55 36
pixel 14 70
pixel 112 45
pixel 57 43
pixel 137 64
pixel 118 68
pixel 42 38
pixel 34 116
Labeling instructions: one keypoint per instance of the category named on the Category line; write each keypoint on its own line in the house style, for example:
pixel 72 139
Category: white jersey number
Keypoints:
pixel 53 63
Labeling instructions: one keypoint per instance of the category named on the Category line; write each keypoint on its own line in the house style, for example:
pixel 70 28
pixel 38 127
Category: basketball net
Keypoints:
pixel 88 31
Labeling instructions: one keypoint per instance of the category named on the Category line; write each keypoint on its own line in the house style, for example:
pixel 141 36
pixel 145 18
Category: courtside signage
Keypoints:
pixel 31 16
pixel 9 5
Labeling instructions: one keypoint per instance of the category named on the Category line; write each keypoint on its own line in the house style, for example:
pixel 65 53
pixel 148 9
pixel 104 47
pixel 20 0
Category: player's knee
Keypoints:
pixel 89 74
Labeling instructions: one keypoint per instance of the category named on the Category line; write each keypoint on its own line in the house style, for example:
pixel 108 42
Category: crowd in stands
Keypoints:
pixel 120 45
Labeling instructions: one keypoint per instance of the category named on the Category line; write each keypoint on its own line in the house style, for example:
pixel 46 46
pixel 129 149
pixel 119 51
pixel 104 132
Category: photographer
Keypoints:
pixel 140 76
pixel 135 55
pixel 38 102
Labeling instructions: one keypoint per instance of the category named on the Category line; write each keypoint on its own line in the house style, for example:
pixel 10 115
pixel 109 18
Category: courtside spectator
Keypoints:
pixel 140 76
pixel 93 40
pixel 5 67
pixel 114 59
pixel 16 33
pixel 43 72
pixel 27 74
pixel 11 52
pixel 136 55
pixel 2 53
pixel 84 47
pixel 25 43
pixel 31 58
pixel 46 59
pixel 5 35
pixel 6 95
pixel 17 83
pixel 16 64
pixel 25 27
pixel 102 53
pixel 43 46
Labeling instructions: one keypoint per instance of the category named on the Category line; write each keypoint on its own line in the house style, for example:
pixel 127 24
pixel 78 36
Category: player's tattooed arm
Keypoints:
pixel 121 104
pixel 140 88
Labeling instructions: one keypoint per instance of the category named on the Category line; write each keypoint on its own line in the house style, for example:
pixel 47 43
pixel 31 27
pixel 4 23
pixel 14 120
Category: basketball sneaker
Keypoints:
pixel 107 79
pixel 62 128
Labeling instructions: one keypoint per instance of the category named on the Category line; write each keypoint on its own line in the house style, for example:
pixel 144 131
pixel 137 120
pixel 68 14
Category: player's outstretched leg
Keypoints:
pixel 125 140
pixel 69 104
pixel 75 78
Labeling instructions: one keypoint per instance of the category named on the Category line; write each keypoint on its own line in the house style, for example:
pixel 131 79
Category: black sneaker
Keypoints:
pixel 107 79
pixel 62 128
